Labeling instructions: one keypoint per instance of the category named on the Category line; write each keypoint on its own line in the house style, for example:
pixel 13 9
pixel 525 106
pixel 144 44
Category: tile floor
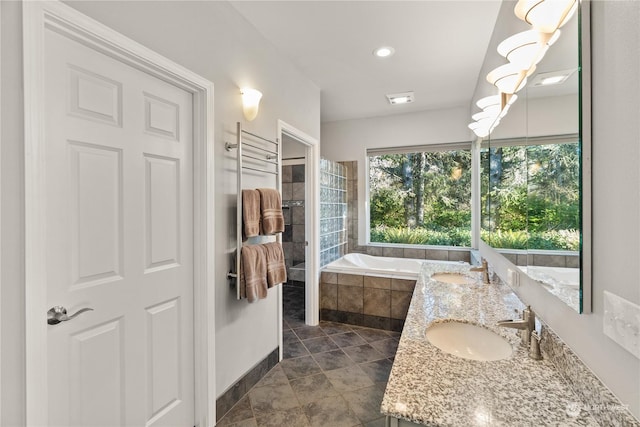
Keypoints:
pixel 332 375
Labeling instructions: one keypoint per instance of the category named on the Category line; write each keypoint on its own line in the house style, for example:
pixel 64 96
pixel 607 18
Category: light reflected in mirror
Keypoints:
pixel 531 175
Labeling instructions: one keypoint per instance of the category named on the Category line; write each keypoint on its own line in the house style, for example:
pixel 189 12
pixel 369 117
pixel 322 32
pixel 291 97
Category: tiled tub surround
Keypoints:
pixel 371 301
pixel 433 388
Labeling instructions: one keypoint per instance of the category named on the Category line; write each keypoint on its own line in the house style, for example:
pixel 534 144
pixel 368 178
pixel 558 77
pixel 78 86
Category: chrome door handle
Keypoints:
pixel 59 314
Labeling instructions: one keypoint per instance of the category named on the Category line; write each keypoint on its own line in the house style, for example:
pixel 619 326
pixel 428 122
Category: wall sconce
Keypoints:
pixel 527 48
pixel 250 102
pixel 546 16
pixel 509 78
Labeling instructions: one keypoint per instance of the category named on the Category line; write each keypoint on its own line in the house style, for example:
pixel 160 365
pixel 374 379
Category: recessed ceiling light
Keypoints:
pixel 383 52
pixel 400 98
pixel 552 78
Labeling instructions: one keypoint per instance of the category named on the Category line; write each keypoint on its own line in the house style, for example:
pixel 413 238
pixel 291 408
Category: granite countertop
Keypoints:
pixel 428 386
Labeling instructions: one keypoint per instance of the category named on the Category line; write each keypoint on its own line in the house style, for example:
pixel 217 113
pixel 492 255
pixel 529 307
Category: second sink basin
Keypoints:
pixel 453 278
pixel 468 341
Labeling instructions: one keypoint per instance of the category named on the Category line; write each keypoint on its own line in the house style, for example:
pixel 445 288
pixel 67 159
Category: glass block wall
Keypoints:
pixel 333 211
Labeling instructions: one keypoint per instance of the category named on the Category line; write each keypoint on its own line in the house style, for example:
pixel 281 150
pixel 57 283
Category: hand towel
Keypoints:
pixel 276 269
pixel 253 273
pixel 271 211
pixel 250 213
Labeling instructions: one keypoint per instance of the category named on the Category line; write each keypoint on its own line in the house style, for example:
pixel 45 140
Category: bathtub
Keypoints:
pixel 399 268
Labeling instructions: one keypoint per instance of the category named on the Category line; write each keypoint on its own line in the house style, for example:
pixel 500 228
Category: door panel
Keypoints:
pixel 96 375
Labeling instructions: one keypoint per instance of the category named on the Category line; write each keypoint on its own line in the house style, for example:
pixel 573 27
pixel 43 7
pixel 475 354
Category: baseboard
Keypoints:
pixel 241 387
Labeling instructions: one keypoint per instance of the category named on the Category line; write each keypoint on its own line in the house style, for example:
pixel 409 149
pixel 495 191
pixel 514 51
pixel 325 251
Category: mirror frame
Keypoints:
pixel 584 61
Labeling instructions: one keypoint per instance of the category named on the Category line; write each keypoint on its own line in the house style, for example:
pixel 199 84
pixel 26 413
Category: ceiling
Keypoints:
pixel 439 50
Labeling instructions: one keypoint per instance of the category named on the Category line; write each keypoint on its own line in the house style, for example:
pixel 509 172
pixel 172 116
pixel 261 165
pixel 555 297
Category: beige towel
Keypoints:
pixel 253 273
pixel 271 211
pixel 276 269
pixel 250 213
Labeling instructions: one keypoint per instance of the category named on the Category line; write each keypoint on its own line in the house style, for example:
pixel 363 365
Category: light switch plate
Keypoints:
pixel 622 322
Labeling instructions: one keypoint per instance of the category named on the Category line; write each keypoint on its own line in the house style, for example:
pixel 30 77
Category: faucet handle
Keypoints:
pixel 534 346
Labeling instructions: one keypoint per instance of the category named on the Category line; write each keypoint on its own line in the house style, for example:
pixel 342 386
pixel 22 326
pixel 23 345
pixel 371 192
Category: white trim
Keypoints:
pixel 0 216
pixel 476 188
pixel 312 228
pixel 61 18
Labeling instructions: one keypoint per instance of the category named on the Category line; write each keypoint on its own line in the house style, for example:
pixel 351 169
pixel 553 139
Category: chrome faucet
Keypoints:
pixel 485 271
pixel 526 325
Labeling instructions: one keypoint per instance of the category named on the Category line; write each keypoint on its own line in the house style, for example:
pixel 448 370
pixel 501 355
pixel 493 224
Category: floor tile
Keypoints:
pixel 274 377
pixel 377 371
pixel 372 334
pixel 363 353
pixel 365 402
pixel 331 328
pixel 294 323
pixel 300 367
pixel 349 378
pixel 289 336
pixel 240 412
pixel 251 422
pixel 331 360
pixel 294 417
pixel 311 388
pixel 387 347
pixel 269 399
pixel 348 339
pixel 330 411
pixel 306 332
pixel 320 345
pixel 380 422
pixel 294 349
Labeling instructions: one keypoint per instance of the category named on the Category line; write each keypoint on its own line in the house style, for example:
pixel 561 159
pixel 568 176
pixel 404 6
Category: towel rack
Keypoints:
pixel 253 147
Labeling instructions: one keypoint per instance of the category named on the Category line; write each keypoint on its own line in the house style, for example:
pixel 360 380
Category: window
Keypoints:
pixel 420 195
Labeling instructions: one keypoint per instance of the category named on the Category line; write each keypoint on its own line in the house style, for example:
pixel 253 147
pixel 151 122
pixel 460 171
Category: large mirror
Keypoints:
pixel 533 167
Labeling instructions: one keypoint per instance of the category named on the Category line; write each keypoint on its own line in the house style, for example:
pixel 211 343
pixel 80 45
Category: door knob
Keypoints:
pixel 59 314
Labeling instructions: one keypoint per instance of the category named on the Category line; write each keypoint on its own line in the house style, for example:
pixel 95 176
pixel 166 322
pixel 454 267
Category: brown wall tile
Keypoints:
pixel 377 282
pixel 350 298
pixel 403 285
pixel 400 304
pixel 377 302
pixel 415 253
pixel 437 254
pixel 393 252
pixel 374 250
pixel 329 296
pixel 549 260
pixel 328 277
pixel 573 261
pixel 460 256
pixel 350 279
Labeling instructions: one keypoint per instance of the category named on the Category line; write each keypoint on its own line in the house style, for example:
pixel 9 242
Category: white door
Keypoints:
pixel 119 230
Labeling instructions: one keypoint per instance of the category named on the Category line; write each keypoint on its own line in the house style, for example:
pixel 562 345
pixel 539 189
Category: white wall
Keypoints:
pixel 349 139
pixel 213 40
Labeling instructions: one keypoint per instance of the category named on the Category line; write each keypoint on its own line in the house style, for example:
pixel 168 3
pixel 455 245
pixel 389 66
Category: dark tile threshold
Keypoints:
pixel 368 321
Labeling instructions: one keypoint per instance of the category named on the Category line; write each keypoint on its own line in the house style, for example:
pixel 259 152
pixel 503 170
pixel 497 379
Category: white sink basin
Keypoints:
pixel 468 341
pixel 453 278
